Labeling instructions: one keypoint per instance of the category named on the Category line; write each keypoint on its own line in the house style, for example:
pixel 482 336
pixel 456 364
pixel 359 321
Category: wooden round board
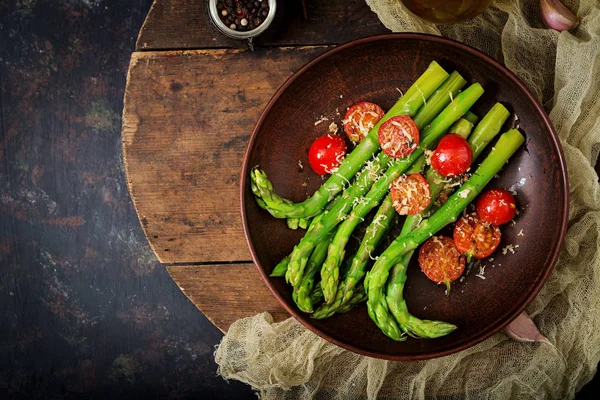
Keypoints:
pixel 187 117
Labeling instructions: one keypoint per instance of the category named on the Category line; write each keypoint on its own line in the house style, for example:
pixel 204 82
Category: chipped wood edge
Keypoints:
pixel 129 127
pixel 138 45
pixel 210 318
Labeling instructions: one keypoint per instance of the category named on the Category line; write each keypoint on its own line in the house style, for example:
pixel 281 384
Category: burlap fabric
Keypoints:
pixel 284 360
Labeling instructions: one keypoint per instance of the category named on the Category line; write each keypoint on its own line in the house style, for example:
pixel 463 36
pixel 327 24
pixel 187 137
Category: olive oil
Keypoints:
pixel 447 11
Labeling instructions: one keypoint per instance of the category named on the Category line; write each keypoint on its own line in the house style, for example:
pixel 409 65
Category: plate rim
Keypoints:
pixel 495 327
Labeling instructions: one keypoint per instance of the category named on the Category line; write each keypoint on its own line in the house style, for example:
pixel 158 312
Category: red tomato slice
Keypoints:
pixel 476 237
pixel 453 156
pixel 496 206
pixel 398 136
pixel 441 261
pixel 410 194
pixel 326 153
pixel 360 119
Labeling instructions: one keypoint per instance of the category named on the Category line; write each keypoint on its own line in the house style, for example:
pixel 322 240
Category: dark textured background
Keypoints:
pixel 85 308
pixel 86 311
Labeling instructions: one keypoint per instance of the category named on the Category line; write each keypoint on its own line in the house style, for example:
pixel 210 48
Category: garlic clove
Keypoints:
pixel 556 16
pixel 523 329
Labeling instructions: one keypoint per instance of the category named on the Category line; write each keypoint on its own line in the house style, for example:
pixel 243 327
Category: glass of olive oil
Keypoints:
pixel 447 11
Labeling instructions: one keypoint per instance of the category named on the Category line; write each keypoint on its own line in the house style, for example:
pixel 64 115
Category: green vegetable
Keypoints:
pixel 319 229
pixel 360 296
pixel 377 229
pixel 329 273
pixel 487 129
pixel 408 104
pixel 302 293
pixel 410 324
pixel 279 270
pixel 472 118
pixel 377 306
pixel 440 99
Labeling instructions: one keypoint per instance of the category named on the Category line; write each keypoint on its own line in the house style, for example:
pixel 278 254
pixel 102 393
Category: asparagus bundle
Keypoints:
pixel 330 272
pixel 377 306
pixel 377 229
pixel 408 104
pixel 435 103
pixel 459 106
pixel 372 170
pixel 485 132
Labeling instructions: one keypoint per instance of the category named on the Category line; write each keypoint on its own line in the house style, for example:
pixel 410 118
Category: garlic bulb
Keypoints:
pixel 556 16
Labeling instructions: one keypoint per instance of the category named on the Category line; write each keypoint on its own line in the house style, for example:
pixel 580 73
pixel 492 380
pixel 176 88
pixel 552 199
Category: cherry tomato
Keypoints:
pixel 326 153
pixel 496 206
pixel 398 136
pixel 441 261
pixel 476 237
pixel 410 194
pixel 360 119
pixel 453 156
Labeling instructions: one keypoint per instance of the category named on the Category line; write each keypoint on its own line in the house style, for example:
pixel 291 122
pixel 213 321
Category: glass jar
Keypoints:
pixel 447 11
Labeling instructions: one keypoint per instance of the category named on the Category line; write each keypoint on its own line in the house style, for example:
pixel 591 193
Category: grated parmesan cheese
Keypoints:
pixel 321 119
pixel 520 233
pixel 509 247
pixel 333 128
pixel 422 94
pixel 463 194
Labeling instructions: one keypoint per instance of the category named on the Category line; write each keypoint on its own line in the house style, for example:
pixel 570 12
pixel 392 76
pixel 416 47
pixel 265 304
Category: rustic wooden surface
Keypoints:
pixel 187 117
pixel 184 24
pixel 226 292
pixel 186 122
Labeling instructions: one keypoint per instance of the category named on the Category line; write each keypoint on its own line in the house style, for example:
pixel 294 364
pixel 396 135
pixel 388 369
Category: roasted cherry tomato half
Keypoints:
pixel 496 206
pixel 441 261
pixel 326 153
pixel 398 136
pixel 453 156
pixel 410 194
pixel 360 119
pixel 475 237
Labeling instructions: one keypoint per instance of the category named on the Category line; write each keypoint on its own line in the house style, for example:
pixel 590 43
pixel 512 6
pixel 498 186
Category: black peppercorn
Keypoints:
pixel 243 15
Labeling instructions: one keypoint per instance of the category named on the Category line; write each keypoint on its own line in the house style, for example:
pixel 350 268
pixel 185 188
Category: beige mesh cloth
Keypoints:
pixel 284 360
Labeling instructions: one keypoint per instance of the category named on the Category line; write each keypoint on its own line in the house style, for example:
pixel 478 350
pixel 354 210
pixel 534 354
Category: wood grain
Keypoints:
pixel 186 122
pixel 227 292
pixel 185 24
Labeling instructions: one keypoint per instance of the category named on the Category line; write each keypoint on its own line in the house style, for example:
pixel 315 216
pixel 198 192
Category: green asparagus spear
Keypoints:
pixel 359 297
pixel 377 306
pixel 395 286
pixel 408 104
pixel 472 118
pixel 410 324
pixel 329 273
pixel 440 99
pixel 301 293
pixel 375 231
pixel 488 128
pixel 279 270
pixel 381 224
pixel 316 296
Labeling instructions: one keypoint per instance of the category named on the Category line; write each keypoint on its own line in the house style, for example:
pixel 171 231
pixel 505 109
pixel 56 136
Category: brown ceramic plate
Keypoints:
pixel 371 69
